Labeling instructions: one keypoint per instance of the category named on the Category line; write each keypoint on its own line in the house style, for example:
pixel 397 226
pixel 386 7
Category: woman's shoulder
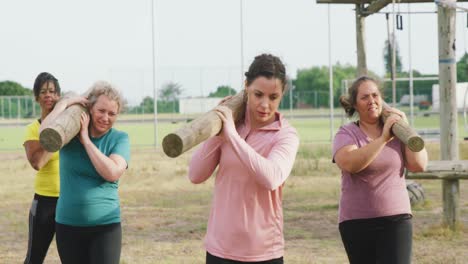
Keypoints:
pixel 350 127
pixel 34 124
pixel 116 134
pixel 285 126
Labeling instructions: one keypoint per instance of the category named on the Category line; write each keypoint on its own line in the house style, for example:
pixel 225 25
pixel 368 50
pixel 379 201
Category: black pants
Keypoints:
pixel 41 228
pixel 383 240
pixel 210 259
pixel 90 245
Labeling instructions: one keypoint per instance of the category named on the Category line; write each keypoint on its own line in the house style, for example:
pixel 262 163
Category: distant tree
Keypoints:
pixel 462 69
pixel 147 105
pixel 223 91
pixel 170 91
pixel 311 86
pixel 168 96
pixel 13 88
pixel 387 56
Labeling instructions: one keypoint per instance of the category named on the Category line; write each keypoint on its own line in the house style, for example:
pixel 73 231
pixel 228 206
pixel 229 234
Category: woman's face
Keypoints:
pixel 368 101
pixel 264 97
pixel 103 115
pixel 47 96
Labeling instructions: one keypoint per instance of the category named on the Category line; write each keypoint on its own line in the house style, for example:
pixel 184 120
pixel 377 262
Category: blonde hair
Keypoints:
pixel 104 88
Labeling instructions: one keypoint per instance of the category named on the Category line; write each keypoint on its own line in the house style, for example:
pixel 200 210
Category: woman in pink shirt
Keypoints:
pixel 254 158
pixel 374 213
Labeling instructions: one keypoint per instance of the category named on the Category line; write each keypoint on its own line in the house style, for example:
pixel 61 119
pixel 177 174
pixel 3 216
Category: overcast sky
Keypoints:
pixel 197 43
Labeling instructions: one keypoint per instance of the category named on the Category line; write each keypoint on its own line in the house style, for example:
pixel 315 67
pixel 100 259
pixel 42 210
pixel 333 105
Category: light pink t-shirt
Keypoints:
pixel 378 190
pixel 246 218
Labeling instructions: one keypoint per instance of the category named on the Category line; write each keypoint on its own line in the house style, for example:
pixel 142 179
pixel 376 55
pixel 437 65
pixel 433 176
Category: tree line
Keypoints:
pixel 310 88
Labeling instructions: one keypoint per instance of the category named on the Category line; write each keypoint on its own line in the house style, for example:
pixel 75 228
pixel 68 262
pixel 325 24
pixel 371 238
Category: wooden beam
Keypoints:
pixel 437 175
pixel 448 165
pixel 361 42
pixel 375 7
pixel 202 128
pixel 448 108
pixel 351 2
pixel 65 127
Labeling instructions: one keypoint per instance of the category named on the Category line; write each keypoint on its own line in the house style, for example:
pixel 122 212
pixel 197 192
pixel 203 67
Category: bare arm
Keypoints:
pixel 110 168
pixel 37 156
pixel 353 159
pixel 415 161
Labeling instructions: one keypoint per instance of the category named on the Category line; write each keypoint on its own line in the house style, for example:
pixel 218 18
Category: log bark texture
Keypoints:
pixel 201 128
pixel 403 131
pixel 61 130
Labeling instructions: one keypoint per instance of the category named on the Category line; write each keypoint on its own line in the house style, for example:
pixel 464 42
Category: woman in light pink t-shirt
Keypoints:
pixel 374 212
pixel 254 159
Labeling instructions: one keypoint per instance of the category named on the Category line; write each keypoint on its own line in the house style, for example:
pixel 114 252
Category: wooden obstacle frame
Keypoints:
pixel 450 171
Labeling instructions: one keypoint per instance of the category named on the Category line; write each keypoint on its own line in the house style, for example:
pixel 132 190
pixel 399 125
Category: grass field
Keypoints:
pixel 164 215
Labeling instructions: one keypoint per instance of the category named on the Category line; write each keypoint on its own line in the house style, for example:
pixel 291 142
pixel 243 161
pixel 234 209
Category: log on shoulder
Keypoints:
pixel 65 127
pixel 407 135
pixel 201 128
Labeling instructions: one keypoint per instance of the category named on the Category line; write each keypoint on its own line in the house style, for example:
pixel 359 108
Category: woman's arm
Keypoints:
pixel 110 168
pixel 273 170
pixel 59 107
pixel 415 161
pixel 36 154
pixel 270 171
pixel 205 160
pixel 352 159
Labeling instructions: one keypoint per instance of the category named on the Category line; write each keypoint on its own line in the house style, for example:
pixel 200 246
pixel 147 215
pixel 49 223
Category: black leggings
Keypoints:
pixel 382 240
pixel 210 259
pixel 90 245
pixel 41 228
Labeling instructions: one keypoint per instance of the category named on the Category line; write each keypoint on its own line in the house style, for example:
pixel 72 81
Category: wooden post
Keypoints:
pixel 201 128
pixel 361 41
pixel 448 108
pixel 65 127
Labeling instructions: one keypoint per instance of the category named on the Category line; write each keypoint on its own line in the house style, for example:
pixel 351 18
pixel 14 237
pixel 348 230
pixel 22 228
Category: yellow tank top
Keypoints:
pixel 47 181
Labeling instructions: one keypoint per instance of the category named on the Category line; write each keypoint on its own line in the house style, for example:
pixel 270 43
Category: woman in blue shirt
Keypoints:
pixel 88 210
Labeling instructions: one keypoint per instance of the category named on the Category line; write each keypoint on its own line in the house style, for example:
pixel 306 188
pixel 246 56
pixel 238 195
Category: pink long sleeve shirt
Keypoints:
pixel 246 218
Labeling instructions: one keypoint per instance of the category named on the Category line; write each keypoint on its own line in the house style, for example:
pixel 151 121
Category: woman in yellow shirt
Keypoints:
pixel 46 184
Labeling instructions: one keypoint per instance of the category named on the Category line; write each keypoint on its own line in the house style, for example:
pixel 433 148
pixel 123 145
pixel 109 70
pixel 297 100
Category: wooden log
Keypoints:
pixel 201 128
pixel 61 130
pixel 403 131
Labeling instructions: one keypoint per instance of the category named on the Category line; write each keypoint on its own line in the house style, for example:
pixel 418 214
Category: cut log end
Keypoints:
pixel 50 140
pixel 172 145
pixel 415 143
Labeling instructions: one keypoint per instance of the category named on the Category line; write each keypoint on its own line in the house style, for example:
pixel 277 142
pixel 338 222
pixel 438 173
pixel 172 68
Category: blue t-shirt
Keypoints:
pixel 87 199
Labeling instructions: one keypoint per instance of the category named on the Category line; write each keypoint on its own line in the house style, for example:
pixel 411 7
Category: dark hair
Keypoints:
pixel 349 101
pixel 268 66
pixel 45 77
